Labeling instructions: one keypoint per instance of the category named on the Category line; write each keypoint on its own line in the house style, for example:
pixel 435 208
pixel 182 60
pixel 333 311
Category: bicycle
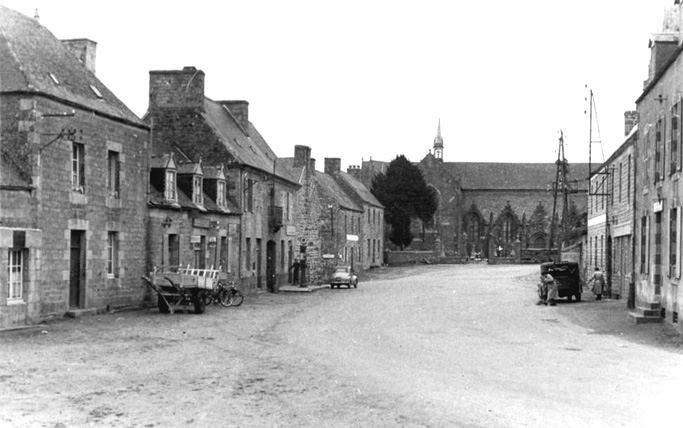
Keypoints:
pixel 234 295
pixel 220 294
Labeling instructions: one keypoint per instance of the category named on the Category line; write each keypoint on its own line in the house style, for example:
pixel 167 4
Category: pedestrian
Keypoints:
pixel 547 290
pixel 551 286
pixel 598 280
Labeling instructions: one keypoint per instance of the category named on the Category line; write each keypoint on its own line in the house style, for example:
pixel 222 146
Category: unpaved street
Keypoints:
pixel 429 346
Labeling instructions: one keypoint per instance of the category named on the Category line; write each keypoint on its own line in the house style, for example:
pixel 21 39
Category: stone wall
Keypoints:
pixel 56 209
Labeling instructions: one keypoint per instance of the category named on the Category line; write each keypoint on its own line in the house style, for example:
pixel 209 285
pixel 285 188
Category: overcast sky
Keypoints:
pixel 371 79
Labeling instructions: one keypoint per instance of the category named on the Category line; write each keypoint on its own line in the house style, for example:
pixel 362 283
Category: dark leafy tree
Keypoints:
pixel 405 195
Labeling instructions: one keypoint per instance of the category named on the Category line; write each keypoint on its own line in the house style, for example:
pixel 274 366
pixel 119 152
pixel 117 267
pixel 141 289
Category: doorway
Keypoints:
pixel 77 270
pixel 271 258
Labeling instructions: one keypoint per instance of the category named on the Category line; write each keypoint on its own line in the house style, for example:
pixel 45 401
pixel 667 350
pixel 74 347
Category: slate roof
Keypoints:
pixel 363 193
pixel 251 150
pixel 30 53
pixel 512 176
pixel 331 188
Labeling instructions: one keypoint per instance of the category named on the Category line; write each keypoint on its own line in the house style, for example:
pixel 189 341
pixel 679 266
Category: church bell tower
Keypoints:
pixel 438 144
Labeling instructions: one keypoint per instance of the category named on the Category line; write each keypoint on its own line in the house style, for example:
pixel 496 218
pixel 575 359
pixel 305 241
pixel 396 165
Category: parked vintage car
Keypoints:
pixel 567 278
pixel 343 275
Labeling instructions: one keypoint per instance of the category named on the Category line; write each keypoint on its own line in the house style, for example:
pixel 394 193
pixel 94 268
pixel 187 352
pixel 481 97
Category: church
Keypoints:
pixel 491 210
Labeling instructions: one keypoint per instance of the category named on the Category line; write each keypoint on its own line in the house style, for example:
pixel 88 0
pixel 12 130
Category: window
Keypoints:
pixel 644 237
pixel 112 255
pixel 78 168
pixel 170 190
pixel 220 196
pixel 250 195
pixel 173 250
pixel 15 274
pixel 197 191
pixel 200 253
pixel 224 266
pixel 673 236
pixel 659 155
pixel 113 177
pixel 674 137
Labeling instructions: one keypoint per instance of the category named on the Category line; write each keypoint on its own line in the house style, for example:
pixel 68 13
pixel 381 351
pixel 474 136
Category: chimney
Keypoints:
pixel 302 156
pixel 630 120
pixel 84 49
pixel 332 165
pixel 312 164
pixel 176 88
pixel 240 110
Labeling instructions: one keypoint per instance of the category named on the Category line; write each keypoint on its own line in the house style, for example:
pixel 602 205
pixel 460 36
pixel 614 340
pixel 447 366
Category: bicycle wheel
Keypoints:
pixel 224 297
pixel 236 298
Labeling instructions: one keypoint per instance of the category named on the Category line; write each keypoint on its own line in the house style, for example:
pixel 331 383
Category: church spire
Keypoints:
pixel 438 143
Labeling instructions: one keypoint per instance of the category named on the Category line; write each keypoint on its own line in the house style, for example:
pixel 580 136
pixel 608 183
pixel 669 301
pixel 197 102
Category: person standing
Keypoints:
pixel 598 280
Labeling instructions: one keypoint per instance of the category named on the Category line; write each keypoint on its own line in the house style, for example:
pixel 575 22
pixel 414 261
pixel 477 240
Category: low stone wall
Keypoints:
pixel 398 258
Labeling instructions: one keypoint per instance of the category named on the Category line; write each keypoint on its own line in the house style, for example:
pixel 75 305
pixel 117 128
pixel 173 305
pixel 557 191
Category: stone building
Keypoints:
pixel 191 220
pixel 73 180
pixel 338 218
pixel 362 240
pixel 610 215
pixel 658 154
pixel 490 210
pixel 182 117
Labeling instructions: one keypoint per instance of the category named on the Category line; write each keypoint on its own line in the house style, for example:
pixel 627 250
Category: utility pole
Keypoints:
pixel 560 184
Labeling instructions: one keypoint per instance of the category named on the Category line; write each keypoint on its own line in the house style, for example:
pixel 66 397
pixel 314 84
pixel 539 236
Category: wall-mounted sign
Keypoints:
pixel 201 222
pixel 328 256
pixel 291 230
pixel 232 229
pixel 195 239
pixel 658 206
pixel 353 238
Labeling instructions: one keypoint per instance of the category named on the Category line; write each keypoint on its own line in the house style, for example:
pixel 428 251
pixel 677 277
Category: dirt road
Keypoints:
pixel 432 346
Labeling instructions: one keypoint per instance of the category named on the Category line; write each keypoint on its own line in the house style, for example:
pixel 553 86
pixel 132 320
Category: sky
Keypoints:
pixel 371 79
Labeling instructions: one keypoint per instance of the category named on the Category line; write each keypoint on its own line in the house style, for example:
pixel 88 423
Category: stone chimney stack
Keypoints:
pixel 302 156
pixel 84 49
pixel 630 120
pixel 240 110
pixel 332 165
pixel 176 88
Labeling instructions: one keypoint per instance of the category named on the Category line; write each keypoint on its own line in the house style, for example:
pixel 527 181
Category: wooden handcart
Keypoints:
pixel 181 287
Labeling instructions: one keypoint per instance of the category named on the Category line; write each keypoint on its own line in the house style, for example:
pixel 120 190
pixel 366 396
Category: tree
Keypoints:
pixel 405 195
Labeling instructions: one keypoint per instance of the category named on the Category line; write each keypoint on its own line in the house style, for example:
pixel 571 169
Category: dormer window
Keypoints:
pixel 170 188
pixel 220 194
pixel 197 191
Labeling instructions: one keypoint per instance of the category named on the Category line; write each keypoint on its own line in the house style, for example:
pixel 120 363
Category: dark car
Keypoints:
pixel 567 278
pixel 343 275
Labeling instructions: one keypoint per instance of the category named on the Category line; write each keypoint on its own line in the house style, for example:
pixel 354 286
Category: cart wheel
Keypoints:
pixel 163 306
pixel 199 303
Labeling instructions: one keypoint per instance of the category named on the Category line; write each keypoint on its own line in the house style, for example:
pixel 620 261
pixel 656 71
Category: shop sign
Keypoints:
pixel 201 222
